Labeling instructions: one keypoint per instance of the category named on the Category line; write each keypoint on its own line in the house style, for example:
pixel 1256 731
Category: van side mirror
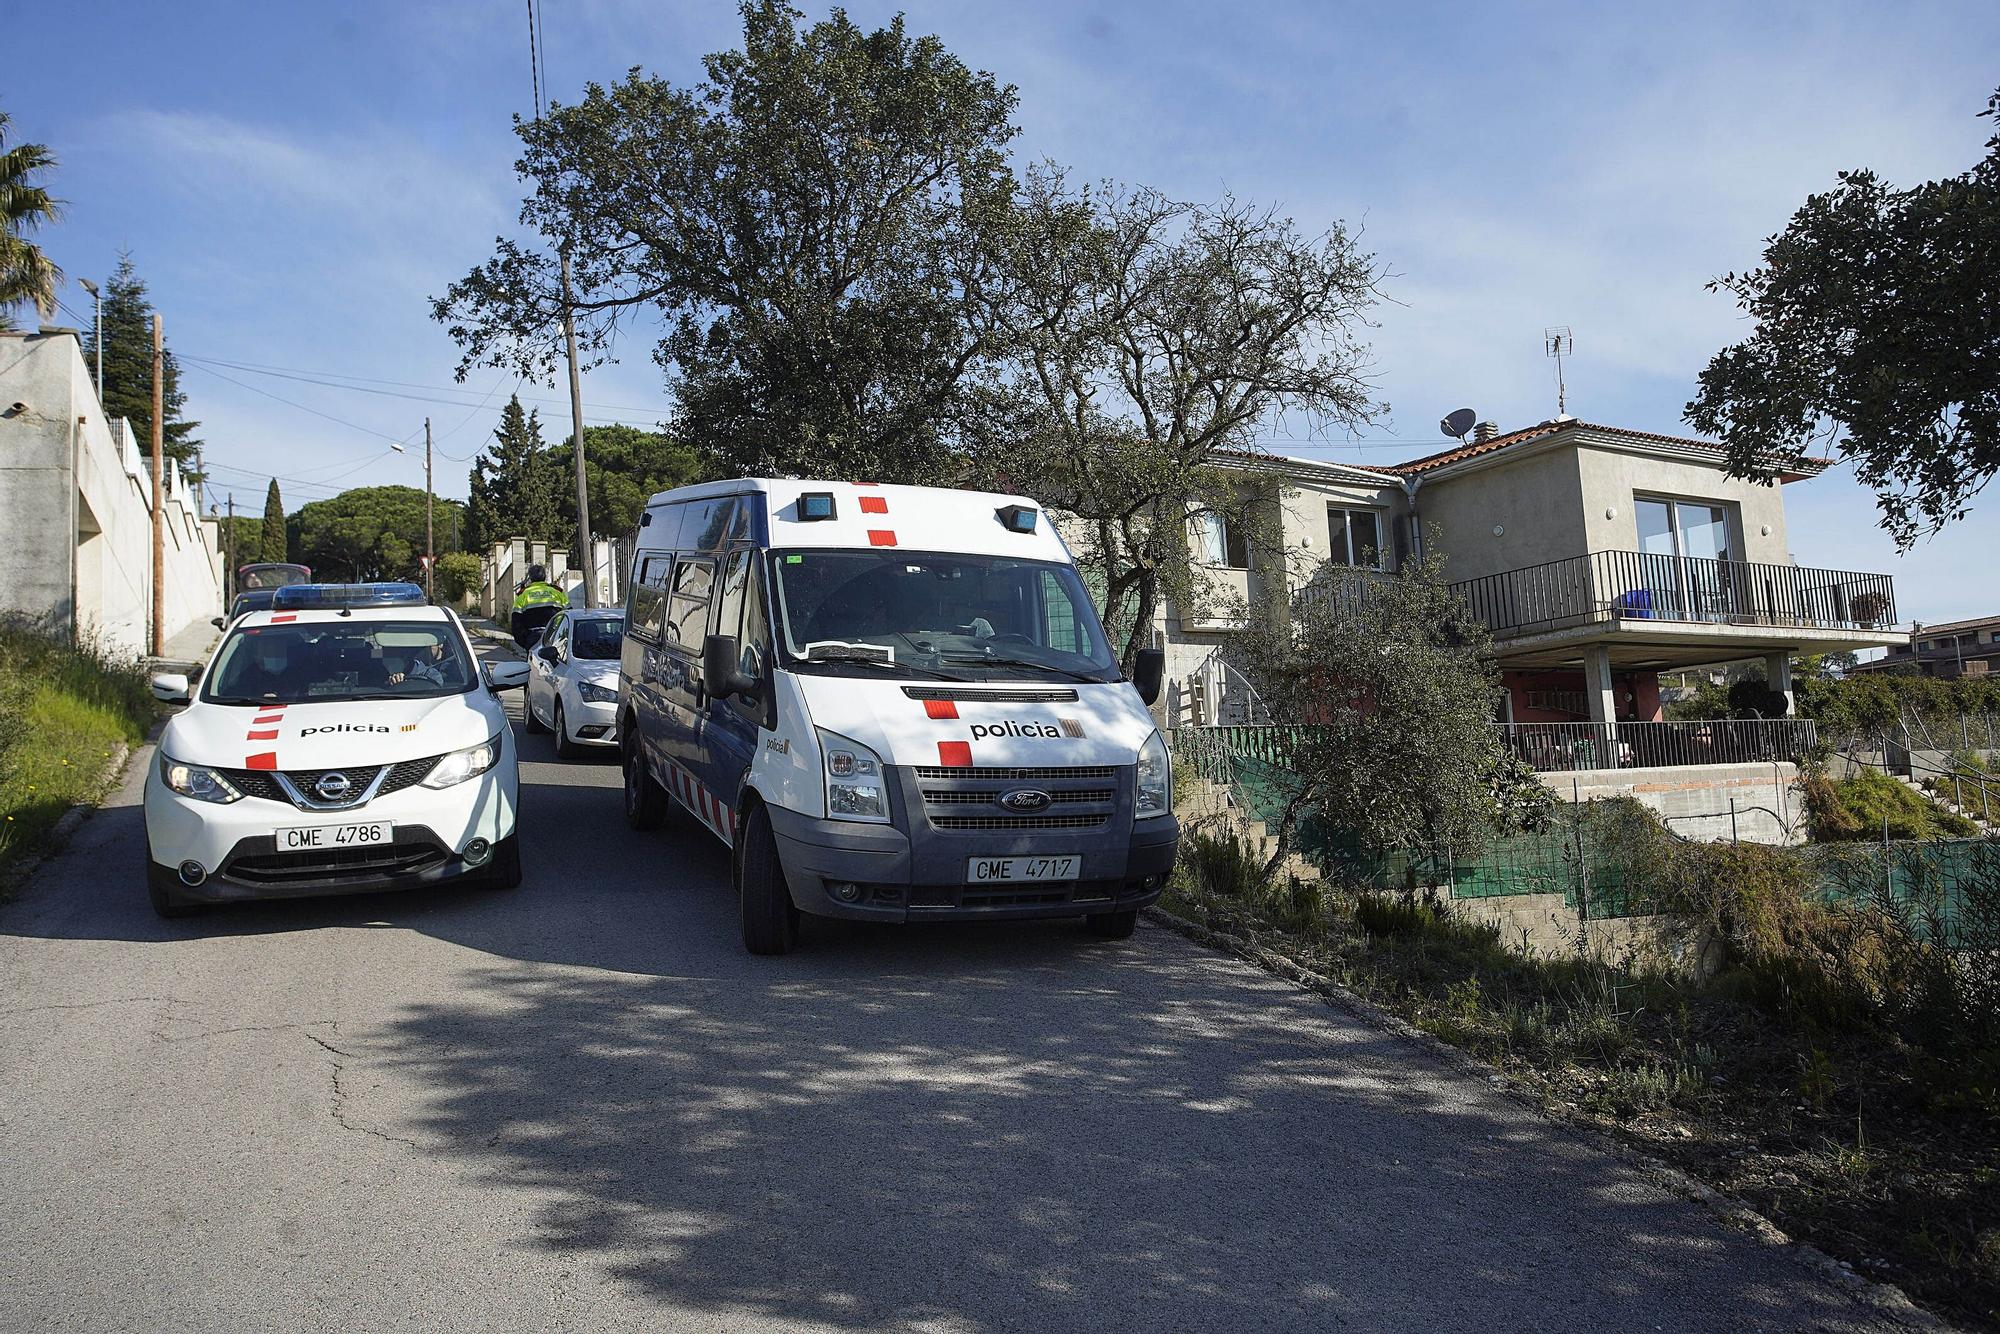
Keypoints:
pixel 217 622
pixel 722 669
pixel 1149 673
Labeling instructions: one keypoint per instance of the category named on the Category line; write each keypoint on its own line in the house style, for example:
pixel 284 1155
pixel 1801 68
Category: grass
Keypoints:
pixel 1862 805
pixel 63 711
pixel 1842 1126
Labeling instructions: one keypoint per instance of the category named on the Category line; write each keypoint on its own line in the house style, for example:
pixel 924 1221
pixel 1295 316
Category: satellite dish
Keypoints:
pixel 1458 423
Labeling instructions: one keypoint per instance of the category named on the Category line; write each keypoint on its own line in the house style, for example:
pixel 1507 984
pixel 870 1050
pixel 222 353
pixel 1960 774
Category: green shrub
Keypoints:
pixel 1860 806
pixel 1222 864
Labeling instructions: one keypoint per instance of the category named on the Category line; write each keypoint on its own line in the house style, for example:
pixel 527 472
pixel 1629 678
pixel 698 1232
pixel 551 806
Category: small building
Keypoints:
pixel 1949 651
pixel 76 494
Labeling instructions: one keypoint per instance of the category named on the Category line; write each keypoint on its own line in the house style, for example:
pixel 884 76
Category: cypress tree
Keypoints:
pixel 274 547
pixel 516 487
pixel 128 368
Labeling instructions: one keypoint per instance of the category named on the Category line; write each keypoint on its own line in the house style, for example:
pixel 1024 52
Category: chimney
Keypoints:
pixel 1483 432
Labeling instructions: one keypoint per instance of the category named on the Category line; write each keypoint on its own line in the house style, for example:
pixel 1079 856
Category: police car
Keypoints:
pixel 345 740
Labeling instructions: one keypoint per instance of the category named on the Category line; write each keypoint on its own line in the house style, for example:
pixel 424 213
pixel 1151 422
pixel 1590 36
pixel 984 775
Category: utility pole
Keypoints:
pixel 583 544
pixel 98 297
pixel 159 491
pixel 229 573
pixel 430 531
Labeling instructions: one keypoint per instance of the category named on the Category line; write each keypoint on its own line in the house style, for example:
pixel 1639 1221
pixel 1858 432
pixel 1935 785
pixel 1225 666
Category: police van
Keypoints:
pixel 347 739
pixel 892 703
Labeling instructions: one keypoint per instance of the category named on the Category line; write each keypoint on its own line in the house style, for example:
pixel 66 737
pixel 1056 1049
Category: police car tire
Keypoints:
pixel 645 800
pixel 565 748
pixel 160 881
pixel 770 921
pixel 505 873
pixel 1112 925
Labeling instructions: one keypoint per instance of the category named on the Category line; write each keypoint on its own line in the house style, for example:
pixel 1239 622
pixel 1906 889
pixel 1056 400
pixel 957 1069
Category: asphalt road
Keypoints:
pixel 579 1105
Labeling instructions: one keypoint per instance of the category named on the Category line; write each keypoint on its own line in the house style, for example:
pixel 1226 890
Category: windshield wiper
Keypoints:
pixel 861 660
pixel 243 699
pixel 986 660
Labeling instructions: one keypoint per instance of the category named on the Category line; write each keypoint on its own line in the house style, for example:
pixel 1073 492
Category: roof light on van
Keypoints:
pixel 815 506
pixel 1017 518
pixel 307 597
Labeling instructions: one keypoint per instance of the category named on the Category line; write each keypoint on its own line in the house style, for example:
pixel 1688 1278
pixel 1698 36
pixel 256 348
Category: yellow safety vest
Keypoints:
pixel 540 595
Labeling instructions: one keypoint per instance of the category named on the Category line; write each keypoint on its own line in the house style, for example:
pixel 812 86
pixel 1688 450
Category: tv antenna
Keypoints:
pixel 1458 423
pixel 1558 343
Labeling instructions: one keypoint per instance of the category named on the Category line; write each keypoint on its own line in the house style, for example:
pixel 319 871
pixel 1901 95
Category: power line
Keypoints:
pixel 352 426
pixel 331 379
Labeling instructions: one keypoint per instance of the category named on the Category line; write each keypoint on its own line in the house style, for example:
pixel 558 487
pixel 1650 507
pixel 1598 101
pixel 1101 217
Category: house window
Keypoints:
pixel 1354 537
pixel 1219 542
pixel 1683 546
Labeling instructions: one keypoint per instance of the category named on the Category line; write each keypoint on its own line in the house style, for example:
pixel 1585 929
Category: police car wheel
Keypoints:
pixel 505 872
pixel 770 921
pixel 160 889
pixel 645 800
pixel 1112 925
pixel 565 748
pixel 529 723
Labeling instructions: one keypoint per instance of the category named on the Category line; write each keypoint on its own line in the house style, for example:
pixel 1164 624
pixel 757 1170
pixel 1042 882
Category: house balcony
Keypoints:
pixel 1667 611
pixel 1577 747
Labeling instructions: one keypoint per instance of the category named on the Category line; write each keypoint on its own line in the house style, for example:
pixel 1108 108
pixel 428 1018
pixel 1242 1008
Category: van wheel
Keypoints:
pixel 645 800
pixel 160 882
pixel 565 748
pixel 1112 925
pixel 770 920
pixel 505 870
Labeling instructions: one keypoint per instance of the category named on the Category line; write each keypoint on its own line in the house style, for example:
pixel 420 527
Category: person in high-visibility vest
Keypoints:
pixel 535 605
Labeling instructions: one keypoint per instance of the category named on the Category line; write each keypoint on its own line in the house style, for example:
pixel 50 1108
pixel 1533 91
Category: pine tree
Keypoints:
pixel 274 547
pixel 128 368
pixel 516 488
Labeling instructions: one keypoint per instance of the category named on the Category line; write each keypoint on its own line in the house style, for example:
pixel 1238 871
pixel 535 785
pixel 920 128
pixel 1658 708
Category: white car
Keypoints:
pixel 345 740
pixel 573 681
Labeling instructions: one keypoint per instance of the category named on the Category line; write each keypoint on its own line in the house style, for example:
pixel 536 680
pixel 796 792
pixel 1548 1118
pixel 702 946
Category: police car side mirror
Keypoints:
pixel 170 687
pixel 722 671
pixel 1149 673
pixel 506 675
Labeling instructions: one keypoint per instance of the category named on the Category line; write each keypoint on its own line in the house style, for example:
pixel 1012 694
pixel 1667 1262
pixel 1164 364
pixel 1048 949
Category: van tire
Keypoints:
pixel 770 920
pixel 645 800
pixel 565 748
pixel 160 882
pixel 1112 925
pixel 505 871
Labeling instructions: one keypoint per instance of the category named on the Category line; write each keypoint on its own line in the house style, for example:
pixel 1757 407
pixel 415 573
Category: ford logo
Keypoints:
pixel 333 786
pixel 1025 799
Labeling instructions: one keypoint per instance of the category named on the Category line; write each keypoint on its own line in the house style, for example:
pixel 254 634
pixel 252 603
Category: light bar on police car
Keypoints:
pixel 309 597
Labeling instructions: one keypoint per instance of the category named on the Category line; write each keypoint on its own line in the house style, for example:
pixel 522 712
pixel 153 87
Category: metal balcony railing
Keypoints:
pixel 1564 747
pixel 1607 586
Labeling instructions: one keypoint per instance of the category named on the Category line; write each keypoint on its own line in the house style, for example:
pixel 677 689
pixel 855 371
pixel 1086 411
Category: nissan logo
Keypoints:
pixel 333 786
pixel 1025 799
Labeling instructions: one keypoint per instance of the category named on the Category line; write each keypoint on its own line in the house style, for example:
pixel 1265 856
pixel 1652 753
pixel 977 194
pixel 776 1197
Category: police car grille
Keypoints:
pixel 1097 771
pixel 1019 821
pixel 968 799
pixel 408 774
pixel 258 783
pixel 1003 696
pixel 1102 795
pixel 306 780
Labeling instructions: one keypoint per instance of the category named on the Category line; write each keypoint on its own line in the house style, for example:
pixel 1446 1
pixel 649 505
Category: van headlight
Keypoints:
pixel 197 781
pixel 1156 780
pixel 853 780
pixel 594 693
pixel 460 765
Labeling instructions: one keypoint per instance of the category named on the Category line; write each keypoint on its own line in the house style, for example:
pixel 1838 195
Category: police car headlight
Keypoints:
pixel 593 693
pixel 1155 794
pixel 197 781
pixel 460 765
pixel 853 780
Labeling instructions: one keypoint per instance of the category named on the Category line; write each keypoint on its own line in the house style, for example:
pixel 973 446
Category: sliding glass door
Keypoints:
pixel 1686 548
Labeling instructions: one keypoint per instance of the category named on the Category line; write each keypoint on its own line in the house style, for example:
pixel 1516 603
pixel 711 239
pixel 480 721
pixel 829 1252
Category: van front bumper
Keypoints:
pixel 879 873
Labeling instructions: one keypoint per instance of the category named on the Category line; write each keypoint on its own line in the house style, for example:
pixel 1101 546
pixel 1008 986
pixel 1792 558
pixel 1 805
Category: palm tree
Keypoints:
pixel 26 274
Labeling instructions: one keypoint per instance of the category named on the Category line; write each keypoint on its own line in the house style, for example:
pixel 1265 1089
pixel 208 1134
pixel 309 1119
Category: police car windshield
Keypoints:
pixel 978 617
pixel 345 659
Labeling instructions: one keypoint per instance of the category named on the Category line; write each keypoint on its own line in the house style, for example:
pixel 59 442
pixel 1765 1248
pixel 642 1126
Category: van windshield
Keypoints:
pixel 338 660
pixel 937 614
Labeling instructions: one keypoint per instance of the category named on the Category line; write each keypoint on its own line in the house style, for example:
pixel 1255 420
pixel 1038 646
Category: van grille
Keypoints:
pixel 968 800
pixel 1019 821
pixel 1102 795
pixel 1097 771
pixel 1014 695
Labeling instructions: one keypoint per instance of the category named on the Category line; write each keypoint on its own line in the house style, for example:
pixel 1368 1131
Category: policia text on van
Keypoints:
pixel 893 703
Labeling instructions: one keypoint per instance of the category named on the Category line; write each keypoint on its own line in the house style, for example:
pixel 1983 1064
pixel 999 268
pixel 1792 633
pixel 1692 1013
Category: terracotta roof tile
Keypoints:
pixel 1549 428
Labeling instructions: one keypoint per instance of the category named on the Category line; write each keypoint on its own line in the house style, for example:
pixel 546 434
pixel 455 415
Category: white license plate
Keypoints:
pixel 336 836
pixel 985 870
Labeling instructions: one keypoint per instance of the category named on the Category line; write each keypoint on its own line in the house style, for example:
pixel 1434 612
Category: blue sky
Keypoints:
pixel 295 181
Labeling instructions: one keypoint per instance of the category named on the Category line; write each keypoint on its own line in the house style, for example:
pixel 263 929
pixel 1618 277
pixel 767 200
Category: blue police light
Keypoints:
pixel 328 597
pixel 815 506
pixel 1016 518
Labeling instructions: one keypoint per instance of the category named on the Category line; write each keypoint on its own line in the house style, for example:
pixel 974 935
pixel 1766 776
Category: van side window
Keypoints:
pixel 646 596
pixel 740 612
pixel 687 607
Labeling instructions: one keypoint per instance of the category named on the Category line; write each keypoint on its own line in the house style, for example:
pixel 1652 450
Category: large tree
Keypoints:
pixel 625 466
pixel 370 532
pixel 27 276
pixel 517 486
pixel 1875 334
pixel 273 541
pixel 814 224
pixel 1152 340
pixel 128 368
